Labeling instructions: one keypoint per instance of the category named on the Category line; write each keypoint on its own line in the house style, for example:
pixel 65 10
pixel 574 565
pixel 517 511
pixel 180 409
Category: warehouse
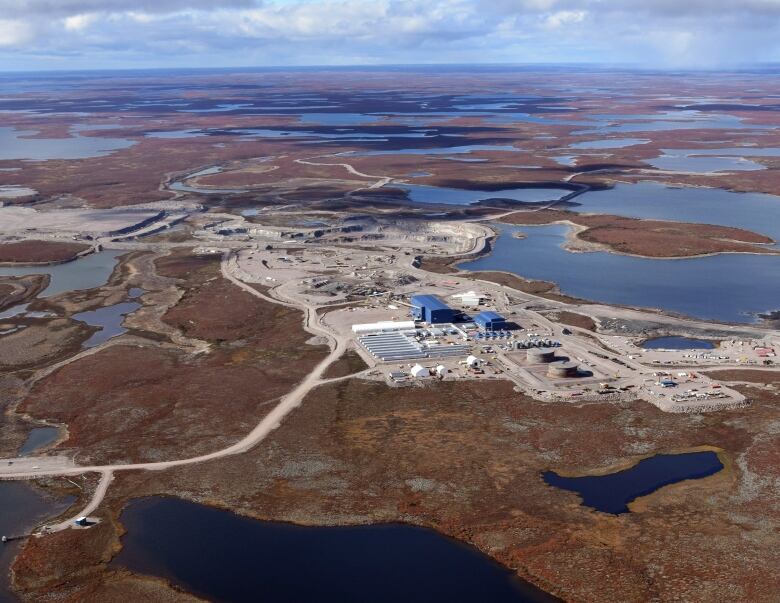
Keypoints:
pixel 387 326
pixel 491 321
pixel 470 299
pixel 431 309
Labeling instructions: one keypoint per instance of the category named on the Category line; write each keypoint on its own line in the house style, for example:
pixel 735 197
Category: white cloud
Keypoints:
pixel 79 22
pixel 564 17
pixel 197 32
pixel 14 33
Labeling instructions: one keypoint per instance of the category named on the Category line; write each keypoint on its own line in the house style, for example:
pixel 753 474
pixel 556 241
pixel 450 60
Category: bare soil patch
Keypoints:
pixel 40 252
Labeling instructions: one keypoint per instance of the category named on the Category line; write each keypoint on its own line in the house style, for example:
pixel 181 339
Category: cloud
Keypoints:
pixel 66 8
pixel 14 33
pixel 233 32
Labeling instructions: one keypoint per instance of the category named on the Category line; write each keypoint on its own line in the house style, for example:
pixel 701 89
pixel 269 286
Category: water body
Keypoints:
pixel 464 149
pixel 15 144
pixel 14 192
pixel 21 509
pixel 671 120
pixel 38 438
pixel 727 287
pixel 109 319
pixel 249 560
pixel 420 193
pixel 702 165
pixel 338 119
pixel 567 160
pixel 87 272
pixel 611 493
pixel 753 211
pixel 176 134
pixel 610 143
pixel 677 343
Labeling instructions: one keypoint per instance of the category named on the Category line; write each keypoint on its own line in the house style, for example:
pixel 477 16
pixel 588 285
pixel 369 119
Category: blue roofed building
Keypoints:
pixel 491 321
pixel 430 309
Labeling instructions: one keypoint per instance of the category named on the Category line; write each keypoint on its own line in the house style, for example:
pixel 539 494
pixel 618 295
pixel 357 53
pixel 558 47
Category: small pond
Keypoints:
pixel 611 493
pixel 38 438
pixel 109 319
pixel 677 343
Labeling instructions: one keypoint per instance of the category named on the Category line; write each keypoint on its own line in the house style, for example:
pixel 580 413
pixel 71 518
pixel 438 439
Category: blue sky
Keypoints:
pixel 74 34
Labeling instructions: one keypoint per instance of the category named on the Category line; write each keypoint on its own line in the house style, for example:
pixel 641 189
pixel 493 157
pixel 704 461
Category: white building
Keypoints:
pixel 470 299
pixel 419 371
pixel 387 326
pixel 473 362
pixel 441 370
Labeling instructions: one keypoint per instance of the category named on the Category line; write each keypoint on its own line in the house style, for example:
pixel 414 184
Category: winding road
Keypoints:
pixel 271 421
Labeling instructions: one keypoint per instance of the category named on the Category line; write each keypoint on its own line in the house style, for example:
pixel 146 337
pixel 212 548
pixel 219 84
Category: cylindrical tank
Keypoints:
pixel 562 369
pixel 539 355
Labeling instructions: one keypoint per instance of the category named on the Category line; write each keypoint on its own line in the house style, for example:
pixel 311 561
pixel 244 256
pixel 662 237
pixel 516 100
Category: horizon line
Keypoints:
pixel 601 66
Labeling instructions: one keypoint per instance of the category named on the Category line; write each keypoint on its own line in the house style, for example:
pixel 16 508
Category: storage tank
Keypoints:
pixel 562 370
pixel 540 355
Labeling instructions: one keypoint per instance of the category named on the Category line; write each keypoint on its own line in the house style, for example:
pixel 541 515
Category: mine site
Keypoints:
pixel 518 327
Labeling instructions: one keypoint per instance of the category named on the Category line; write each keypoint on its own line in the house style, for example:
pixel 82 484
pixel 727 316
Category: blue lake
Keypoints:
pixel 108 319
pixel 221 556
pixel 677 343
pixel 611 493
pixel 727 287
pixel 16 144
pixel 464 149
pixel 21 508
pixel 420 193
pixel 87 272
pixel 609 143
pixel 753 211
pixel 671 161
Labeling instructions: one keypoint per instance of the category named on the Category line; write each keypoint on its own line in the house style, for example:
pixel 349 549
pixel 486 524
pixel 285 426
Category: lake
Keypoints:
pixel 726 287
pixel 221 556
pixel 21 509
pixel 87 272
pixel 611 493
pixel 17 144
pixel 420 193
pixel 753 211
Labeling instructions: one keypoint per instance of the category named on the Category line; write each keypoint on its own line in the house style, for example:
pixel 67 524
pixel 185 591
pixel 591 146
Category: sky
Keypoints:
pixel 100 34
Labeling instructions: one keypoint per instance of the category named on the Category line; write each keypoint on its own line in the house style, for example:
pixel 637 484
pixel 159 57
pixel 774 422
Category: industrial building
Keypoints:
pixel 397 345
pixel 431 309
pixel 491 321
pixel 419 371
pixel 389 347
pixel 387 326
pixel 470 299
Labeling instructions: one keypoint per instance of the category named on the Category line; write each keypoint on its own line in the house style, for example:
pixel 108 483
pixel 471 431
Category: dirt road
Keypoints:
pixel 59 466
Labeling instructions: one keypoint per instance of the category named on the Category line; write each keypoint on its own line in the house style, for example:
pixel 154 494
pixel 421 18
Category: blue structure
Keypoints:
pixel 431 309
pixel 491 321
